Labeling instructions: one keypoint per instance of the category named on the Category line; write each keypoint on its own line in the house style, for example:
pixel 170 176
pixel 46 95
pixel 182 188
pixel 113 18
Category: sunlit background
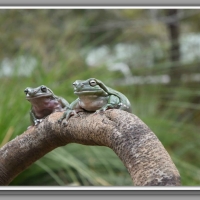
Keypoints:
pixel 150 55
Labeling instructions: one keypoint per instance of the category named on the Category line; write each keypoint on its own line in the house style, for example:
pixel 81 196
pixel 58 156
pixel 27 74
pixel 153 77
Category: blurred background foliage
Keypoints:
pixel 150 55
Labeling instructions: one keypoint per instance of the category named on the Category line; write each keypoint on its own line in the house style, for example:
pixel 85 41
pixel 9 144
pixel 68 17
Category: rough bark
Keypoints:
pixel 142 153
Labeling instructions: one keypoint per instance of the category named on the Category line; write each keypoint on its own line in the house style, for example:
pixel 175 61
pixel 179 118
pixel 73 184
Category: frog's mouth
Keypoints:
pixel 28 96
pixel 89 92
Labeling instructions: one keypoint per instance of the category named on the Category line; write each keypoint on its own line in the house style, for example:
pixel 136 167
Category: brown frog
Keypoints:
pixel 43 103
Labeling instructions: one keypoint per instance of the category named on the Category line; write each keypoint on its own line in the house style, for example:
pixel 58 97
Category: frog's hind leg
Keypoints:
pixel 113 102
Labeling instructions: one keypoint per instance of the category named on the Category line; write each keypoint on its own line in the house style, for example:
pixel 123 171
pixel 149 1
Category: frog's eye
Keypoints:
pixel 44 89
pixel 93 82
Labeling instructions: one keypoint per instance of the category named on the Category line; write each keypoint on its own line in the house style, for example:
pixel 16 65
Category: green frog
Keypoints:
pixel 43 103
pixel 95 96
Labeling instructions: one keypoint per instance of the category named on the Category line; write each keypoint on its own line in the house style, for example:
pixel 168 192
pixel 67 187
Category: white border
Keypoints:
pixel 99 7
pixel 102 188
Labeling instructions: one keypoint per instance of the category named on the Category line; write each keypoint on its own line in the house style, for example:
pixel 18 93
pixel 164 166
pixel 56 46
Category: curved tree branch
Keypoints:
pixel 136 145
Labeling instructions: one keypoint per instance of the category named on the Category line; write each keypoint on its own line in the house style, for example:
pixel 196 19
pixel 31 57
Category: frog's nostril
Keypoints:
pixel 74 83
pixel 26 91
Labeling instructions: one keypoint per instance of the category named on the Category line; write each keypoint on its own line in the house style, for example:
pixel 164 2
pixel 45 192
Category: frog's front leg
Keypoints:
pixel 34 120
pixel 69 111
pixel 64 103
pixel 113 102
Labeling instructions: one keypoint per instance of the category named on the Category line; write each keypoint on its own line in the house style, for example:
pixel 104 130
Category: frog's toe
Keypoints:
pixel 65 123
pixel 38 121
pixel 61 119
pixel 72 113
pixel 96 112
pixel 100 111
pixel 76 114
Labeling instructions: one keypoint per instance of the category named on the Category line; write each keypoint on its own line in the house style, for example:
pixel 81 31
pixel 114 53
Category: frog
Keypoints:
pixel 94 96
pixel 43 103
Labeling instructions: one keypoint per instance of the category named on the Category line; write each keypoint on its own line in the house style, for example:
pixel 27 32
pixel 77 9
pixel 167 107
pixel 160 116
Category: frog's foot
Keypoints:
pixel 37 121
pixel 101 110
pixel 63 117
pixel 77 111
pixel 104 108
pixel 72 113
pixel 66 116
pixel 65 123
pixel 97 112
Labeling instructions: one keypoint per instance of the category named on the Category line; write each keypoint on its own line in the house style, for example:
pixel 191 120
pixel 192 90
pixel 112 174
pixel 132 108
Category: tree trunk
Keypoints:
pixel 174 52
pixel 136 145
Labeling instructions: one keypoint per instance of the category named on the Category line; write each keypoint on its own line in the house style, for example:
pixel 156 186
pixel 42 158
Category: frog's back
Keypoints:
pixel 126 105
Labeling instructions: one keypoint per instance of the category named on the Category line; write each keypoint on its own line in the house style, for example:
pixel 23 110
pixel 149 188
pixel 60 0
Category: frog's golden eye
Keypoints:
pixel 44 89
pixel 93 82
